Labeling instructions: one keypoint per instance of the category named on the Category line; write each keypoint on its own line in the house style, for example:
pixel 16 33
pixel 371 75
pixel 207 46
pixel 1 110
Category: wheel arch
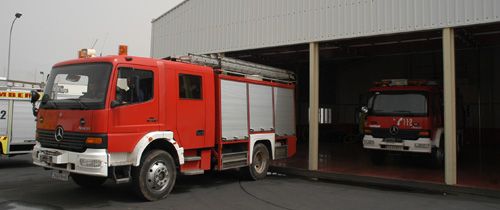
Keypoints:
pixel 438 137
pixel 268 139
pixel 158 140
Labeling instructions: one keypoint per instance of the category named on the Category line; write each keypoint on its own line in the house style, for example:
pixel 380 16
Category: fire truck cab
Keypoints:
pixel 404 116
pixel 144 120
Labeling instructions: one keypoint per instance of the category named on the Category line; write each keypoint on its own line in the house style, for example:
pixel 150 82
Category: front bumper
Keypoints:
pixel 92 162
pixel 421 145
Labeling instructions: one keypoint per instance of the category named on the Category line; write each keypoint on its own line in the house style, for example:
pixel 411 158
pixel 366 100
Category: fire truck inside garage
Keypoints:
pixel 348 69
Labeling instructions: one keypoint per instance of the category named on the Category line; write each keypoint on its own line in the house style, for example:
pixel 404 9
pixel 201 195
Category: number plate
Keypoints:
pixel 45 158
pixel 392 140
pixel 60 175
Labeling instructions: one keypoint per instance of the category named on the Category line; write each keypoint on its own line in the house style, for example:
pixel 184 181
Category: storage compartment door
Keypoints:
pixel 284 111
pixel 23 125
pixel 261 108
pixel 234 110
pixel 4 107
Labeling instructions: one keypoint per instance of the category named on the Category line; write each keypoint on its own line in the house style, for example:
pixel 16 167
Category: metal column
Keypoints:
pixel 450 124
pixel 313 104
pixel 10 120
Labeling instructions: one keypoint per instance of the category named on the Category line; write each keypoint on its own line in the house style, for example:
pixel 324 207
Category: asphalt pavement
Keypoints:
pixel 25 186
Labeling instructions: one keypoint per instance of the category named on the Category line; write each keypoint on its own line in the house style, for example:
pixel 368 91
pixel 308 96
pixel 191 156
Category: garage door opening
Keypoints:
pixel 478 79
pixel 349 69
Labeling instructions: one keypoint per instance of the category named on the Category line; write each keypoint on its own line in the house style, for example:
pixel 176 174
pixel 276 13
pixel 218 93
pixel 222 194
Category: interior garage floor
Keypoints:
pixel 351 158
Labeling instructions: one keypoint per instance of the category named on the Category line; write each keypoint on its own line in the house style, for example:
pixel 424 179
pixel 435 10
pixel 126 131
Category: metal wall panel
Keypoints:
pixel 261 107
pixel 4 108
pixel 234 110
pixel 201 26
pixel 284 111
pixel 24 125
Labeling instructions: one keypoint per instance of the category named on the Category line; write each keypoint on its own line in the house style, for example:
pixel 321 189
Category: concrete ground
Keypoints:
pixel 350 158
pixel 24 186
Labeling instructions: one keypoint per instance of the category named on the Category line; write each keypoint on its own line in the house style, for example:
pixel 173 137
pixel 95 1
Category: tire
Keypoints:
pixel 437 157
pixel 260 163
pixel 377 157
pixel 155 177
pixel 88 181
pixel 437 154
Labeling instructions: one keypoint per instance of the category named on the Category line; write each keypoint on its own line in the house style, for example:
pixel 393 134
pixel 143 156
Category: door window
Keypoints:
pixel 190 86
pixel 134 86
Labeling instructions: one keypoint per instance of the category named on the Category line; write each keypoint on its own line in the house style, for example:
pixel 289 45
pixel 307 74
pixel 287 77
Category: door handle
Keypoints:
pixel 200 132
pixel 151 119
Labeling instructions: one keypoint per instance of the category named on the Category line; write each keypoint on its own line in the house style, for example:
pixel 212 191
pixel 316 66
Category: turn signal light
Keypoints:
pixel 424 133
pixel 93 140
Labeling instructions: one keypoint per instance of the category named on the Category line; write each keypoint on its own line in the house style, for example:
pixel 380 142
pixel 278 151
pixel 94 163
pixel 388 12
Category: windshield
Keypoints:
pixel 81 86
pixel 404 104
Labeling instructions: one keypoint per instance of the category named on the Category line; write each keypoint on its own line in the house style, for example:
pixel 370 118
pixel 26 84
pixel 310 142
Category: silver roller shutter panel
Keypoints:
pixel 234 110
pixel 24 125
pixel 4 105
pixel 284 111
pixel 261 107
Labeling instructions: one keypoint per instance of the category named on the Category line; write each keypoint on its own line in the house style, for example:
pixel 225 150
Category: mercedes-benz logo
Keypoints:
pixel 59 134
pixel 394 130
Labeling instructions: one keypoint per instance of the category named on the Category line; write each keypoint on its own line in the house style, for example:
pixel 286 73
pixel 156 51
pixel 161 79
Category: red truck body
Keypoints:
pixel 184 110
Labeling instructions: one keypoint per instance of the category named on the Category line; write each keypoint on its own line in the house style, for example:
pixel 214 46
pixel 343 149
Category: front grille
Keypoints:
pixel 72 141
pixel 402 134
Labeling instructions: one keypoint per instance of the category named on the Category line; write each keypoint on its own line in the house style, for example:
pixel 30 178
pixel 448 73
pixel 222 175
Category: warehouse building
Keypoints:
pixel 338 49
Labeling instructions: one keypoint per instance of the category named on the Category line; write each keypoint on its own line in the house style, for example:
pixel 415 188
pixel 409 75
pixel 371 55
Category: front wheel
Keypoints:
pixel 87 181
pixel 437 157
pixel 155 177
pixel 260 163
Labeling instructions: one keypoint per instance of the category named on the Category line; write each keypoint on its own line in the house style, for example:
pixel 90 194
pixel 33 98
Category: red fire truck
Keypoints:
pixel 144 120
pixel 404 116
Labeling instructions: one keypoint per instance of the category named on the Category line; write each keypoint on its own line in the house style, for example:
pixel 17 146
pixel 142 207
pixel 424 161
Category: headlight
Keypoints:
pixel 368 142
pixel 425 146
pixel 91 163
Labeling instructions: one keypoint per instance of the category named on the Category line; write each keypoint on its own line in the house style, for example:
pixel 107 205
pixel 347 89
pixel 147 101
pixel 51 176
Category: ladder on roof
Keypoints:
pixel 240 67
pixel 20 85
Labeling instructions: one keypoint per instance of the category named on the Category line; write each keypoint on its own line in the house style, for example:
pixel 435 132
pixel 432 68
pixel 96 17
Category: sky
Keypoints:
pixel 51 31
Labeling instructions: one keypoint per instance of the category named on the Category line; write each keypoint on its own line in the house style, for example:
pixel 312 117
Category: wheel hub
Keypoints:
pixel 157 177
pixel 259 163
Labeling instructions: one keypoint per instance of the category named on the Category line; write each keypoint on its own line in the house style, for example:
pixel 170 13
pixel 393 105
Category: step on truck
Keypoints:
pixel 404 116
pixel 146 121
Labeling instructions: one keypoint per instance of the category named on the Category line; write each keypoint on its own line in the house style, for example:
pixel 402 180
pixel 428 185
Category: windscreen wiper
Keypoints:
pixel 403 111
pixel 82 105
pixel 52 104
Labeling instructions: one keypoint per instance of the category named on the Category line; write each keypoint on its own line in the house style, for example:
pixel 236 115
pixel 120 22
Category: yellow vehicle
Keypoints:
pixel 17 123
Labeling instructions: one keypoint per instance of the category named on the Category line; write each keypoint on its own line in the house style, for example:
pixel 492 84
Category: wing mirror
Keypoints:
pixel 34 98
pixel 364 109
pixel 116 103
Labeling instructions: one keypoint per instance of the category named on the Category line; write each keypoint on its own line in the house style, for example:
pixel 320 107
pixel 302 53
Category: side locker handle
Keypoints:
pixel 152 119
pixel 200 132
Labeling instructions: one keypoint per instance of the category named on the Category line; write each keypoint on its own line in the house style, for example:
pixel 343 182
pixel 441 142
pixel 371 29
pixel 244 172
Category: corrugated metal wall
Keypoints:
pixel 209 26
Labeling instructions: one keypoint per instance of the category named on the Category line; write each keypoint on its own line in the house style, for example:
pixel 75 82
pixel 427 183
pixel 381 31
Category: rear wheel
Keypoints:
pixel 155 177
pixel 260 163
pixel 88 181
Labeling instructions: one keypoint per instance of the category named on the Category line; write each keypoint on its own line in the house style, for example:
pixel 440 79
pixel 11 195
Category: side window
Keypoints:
pixel 190 86
pixel 134 86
